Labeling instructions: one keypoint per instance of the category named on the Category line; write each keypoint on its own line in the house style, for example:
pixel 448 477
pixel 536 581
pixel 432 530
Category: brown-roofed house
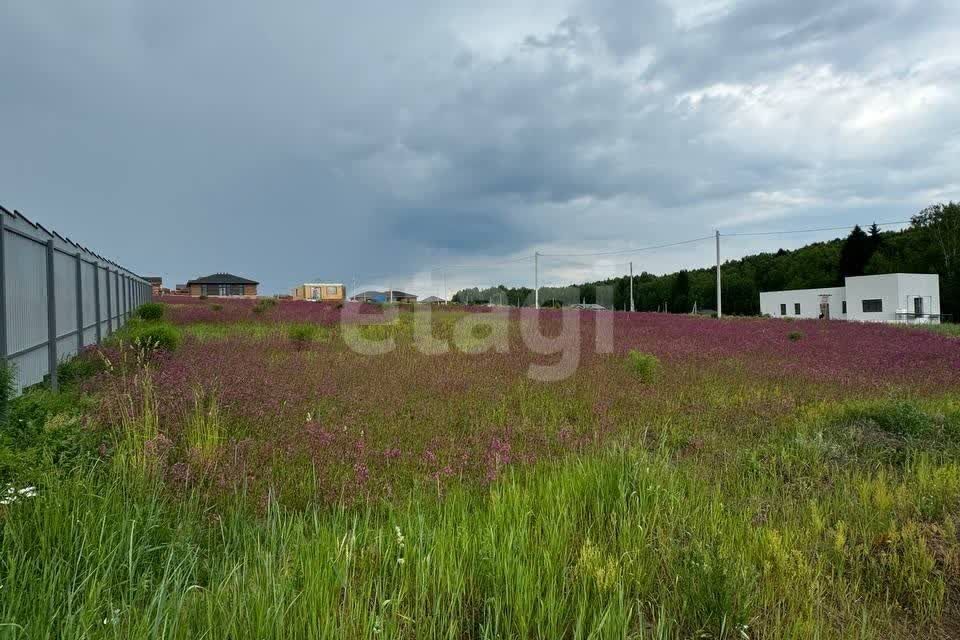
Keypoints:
pixel 223 285
pixel 156 284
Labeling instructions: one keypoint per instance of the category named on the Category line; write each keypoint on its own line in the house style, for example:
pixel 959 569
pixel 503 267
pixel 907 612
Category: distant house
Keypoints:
pixel 223 285
pixel 368 296
pixel 433 300
pixel 320 292
pixel 890 297
pixel 156 284
pixel 381 297
pixel 586 306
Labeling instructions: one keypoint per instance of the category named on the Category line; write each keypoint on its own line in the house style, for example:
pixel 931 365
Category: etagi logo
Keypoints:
pixel 499 330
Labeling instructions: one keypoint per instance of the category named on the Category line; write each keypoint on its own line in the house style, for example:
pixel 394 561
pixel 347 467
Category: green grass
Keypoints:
pixel 204 429
pixel 44 433
pixel 951 329
pixel 808 533
pixel 301 334
pixel 7 377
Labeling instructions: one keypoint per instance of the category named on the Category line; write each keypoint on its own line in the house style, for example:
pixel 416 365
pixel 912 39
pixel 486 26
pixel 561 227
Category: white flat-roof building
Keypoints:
pixel 890 297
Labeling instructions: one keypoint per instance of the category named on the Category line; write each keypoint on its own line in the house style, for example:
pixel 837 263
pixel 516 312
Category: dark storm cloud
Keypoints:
pixel 332 141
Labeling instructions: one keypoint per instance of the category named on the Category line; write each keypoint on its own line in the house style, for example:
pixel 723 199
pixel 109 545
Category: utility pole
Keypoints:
pixel 446 294
pixel 536 279
pixel 631 286
pixel 719 306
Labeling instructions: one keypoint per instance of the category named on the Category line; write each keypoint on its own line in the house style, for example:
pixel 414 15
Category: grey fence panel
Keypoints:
pixel 117 299
pixel 25 276
pixel 25 280
pixel 102 294
pixel 89 306
pixel 118 315
pixel 55 298
pixel 65 283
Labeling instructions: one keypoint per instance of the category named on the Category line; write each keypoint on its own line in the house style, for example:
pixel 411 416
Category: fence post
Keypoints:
pixel 96 298
pixel 3 288
pixel 109 310
pixel 51 319
pixel 79 303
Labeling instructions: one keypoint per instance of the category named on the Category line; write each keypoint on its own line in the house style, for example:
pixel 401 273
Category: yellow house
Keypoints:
pixel 321 292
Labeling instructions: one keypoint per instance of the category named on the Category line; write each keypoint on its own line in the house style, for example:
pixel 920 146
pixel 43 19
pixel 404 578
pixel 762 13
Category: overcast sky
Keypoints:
pixel 377 142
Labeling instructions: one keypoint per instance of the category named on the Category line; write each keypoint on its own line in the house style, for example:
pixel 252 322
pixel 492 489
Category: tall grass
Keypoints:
pixel 951 329
pixel 621 545
pixel 138 425
pixel 7 378
pixel 204 430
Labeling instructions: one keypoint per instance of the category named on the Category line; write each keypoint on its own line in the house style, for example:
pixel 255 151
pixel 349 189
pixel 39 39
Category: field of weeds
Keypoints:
pixel 297 470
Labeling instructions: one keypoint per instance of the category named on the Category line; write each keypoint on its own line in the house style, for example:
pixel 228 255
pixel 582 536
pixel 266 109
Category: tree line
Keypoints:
pixel 931 244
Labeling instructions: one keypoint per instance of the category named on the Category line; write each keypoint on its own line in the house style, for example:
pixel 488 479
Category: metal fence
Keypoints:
pixel 56 297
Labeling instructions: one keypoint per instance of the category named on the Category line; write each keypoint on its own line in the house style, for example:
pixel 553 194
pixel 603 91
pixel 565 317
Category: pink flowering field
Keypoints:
pixel 516 474
pixel 365 425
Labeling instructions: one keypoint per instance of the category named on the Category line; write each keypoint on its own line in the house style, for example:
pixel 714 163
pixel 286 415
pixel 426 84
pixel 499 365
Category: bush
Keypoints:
pixel 159 336
pixel 301 334
pixel 644 365
pixel 901 417
pixel 84 365
pixel 264 304
pixel 150 311
pixel 7 376
pixel 44 433
pixel 794 336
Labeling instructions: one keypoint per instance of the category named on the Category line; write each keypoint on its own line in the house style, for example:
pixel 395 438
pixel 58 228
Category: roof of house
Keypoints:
pixel 153 279
pixel 588 306
pixel 382 294
pixel 222 278
pixel 432 299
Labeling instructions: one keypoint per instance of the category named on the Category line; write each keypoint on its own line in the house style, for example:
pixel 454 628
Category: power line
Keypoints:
pixel 483 266
pixel 776 233
pixel 625 251
pixel 618 252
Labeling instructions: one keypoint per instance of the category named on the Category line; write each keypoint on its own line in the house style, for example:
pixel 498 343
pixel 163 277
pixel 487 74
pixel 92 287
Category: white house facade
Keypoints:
pixel 890 297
